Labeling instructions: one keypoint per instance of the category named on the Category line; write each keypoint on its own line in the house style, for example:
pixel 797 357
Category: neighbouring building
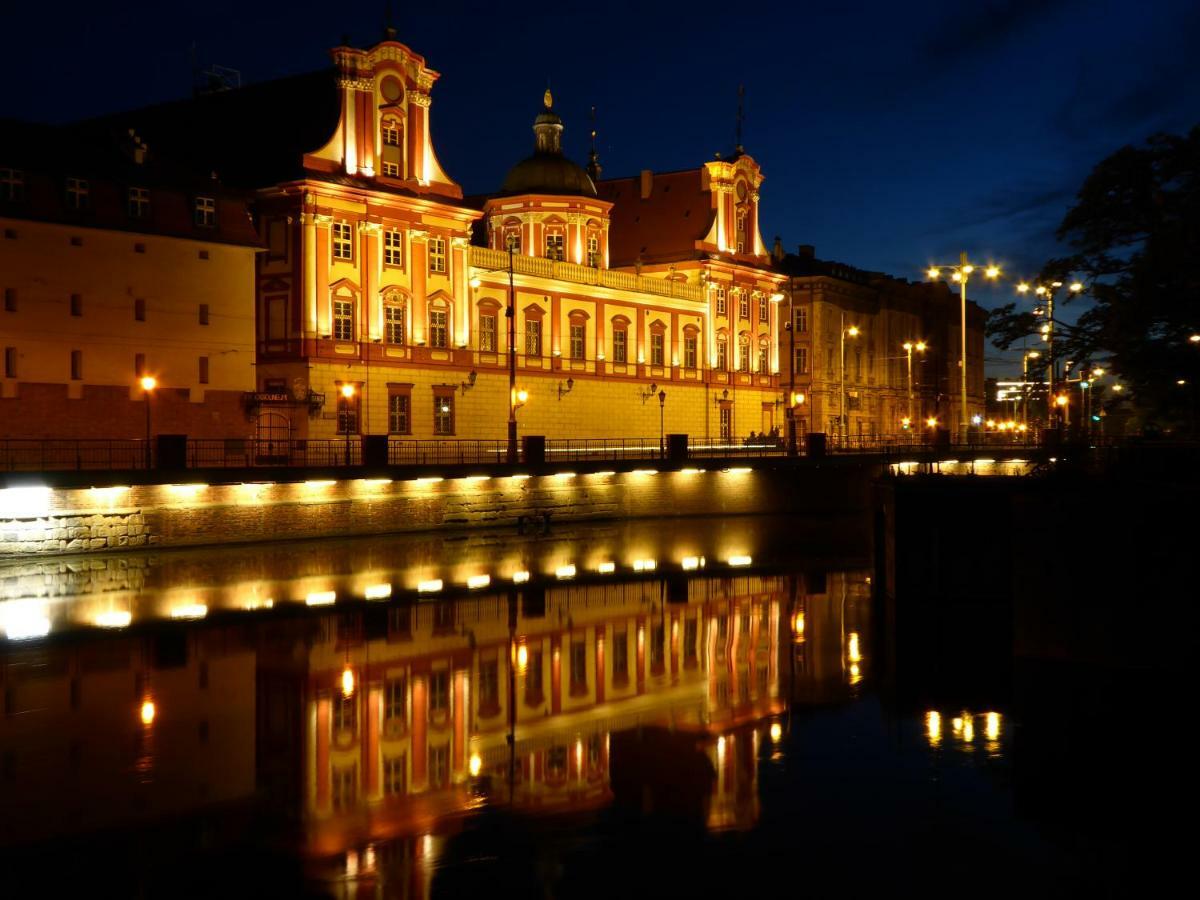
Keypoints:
pixel 826 299
pixel 117 262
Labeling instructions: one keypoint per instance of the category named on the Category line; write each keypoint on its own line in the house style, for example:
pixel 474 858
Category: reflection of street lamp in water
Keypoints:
pixel 348 396
pixel 148 383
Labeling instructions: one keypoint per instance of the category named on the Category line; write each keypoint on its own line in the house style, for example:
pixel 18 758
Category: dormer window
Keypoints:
pixel 138 203
pixel 741 231
pixel 12 185
pixel 78 192
pixel 206 212
pixel 390 158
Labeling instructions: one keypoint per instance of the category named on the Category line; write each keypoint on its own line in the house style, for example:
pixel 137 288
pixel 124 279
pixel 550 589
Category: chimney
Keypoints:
pixel 806 251
pixel 647 183
pixel 777 250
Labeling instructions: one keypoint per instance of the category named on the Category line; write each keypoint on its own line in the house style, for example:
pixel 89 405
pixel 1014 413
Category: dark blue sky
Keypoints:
pixel 891 134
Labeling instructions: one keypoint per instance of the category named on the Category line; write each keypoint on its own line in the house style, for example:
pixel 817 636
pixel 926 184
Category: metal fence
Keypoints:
pixel 226 453
pixel 446 452
pixel 21 455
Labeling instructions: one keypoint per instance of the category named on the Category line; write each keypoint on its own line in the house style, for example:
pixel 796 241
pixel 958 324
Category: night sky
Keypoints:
pixel 891 135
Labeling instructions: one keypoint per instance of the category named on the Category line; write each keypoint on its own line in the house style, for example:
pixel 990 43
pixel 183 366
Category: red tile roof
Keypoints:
pixel 663 227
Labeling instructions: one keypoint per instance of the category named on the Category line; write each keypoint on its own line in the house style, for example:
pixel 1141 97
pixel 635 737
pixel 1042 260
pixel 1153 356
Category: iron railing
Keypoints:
pixel 31 455
pixel 225 453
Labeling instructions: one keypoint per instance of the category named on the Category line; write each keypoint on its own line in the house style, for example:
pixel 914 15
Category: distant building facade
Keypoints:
pixel 826 298
pixel 115 264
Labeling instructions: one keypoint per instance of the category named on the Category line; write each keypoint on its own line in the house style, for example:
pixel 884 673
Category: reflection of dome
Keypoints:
pixel 548 171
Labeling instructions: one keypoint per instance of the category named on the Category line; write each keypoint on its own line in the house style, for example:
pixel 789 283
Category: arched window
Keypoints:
pixel 577 346
pixel 510 235
pixel 620 339
pixel 343 313
pixel 764 356
pixel 395 318
pixel 744 353
pixel 722 351
pixel 691 346
pixel 439 323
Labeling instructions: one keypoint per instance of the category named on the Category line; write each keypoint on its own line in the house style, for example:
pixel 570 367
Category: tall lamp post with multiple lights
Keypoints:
pixel 961 274
pixel 909 347
pixel 148 384
pixel 516 399
pixel 1047 292
pixel 844 416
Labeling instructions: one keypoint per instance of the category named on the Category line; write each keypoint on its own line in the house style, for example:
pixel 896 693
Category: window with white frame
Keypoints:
pixel 399 421
pixel 138 204
pixel 437 255
pixel 620 345
pixel 593 251
pixel 343 320
pixel 438 328
pixel 343 241
pixel 393 248
pixel 722 355
pixel 741 231
pixel 395 313
pixel 391 169
pixel 743 305
pixel 657 342
pixel 720 300
pixel 556 246
pixel 578 336
pixel 12 185
pixel 764 309
pixel 800 314
pixel 391 134
pixel 487 332
pixel 763 365
pixel 801 364
pixel 443 414
pixel 689 351
pixel 744 353
pixel 512 240
pixel 78 192
pixel 533 337
pixel 206 212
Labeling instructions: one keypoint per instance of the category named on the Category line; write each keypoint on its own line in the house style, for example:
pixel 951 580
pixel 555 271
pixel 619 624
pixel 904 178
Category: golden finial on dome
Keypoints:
pixel 548 99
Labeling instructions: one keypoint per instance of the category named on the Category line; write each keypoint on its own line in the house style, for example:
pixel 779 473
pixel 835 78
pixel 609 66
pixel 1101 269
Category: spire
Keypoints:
pixel 547 127
pixel 389 24
pixel 593 166
pixel 741 116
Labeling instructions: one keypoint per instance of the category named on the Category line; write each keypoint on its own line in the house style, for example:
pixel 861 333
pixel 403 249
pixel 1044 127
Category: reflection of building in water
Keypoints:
pixel 115 733
pixel 830 625
pixel 433 695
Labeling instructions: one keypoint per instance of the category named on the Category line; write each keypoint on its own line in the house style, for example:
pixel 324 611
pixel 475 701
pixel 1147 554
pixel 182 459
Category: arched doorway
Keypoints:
pixel 273 438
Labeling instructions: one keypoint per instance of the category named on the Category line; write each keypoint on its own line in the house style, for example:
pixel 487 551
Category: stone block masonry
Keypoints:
pixel 38 520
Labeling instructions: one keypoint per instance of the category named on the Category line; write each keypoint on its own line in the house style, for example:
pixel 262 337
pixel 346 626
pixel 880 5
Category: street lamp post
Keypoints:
pixel 909 347
pixel 510 313
pixel 843 417
pixel 348 395
pixel 1033 354
pixel 961 273
pixel 791 330
pixel 662 412
pixel 1047 291
pixel 148 383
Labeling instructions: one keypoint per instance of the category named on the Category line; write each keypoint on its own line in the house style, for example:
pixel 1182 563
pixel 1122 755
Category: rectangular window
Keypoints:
pixel 533 677
pixel 204 370
pixel 743 356
pixel 77 365
pixel 619 345
pixel 10 300
pixel 512 241
pixel 437 255
pixel 743 305
pixel 555 246
pixel 77 305
pixel 393 249
pixel 399 421
pixel 10 362
pixel 12 185
pixel 78 193
pixel 764 310
pixel 394 770
pixel 443 415
pixel 593 251
pixel 344 787
pixel 393 323
pixel 801 360
pixel 439 691
pixel 620 657
pixel 343 320
pixel 763 364
pixel 690 630
pixel 577 341
pixel 138 204
pixel 276 318
pixel 533 337
pixel 689 351
pixel 347 412
pixel 726 423
pixel 801 316
pixel 657 641
pixel 487 332
pixel 203 313
pixel 439 766
pixel 139 310
pixel 345 713
pixel 206 212
pixel 139 364
pixel 720 301
pixel 489 687
pixel 391 169
pixel 656 349
pixel 722 356
pixel 578 667
pixel 343 242
pixel 391 136
pixel 395 699
pixel 438 336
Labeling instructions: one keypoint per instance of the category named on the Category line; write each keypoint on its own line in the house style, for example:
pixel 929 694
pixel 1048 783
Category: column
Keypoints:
pixel 458 754
pixel 419 730
pixel 308 224
pixel 419 272
pixel 459 284
pixel 370 756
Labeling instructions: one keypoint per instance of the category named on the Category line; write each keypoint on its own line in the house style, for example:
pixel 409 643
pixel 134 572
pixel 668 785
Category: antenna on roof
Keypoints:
pixel 593 166
pixel 741 116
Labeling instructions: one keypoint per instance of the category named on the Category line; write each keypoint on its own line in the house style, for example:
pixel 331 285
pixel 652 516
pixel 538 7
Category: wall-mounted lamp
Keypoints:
pixel 646 395
pixel 717 400
pixel 566 390
pixel 470 382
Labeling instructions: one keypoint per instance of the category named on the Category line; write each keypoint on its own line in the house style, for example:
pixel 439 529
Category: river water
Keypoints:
pixel 655 708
